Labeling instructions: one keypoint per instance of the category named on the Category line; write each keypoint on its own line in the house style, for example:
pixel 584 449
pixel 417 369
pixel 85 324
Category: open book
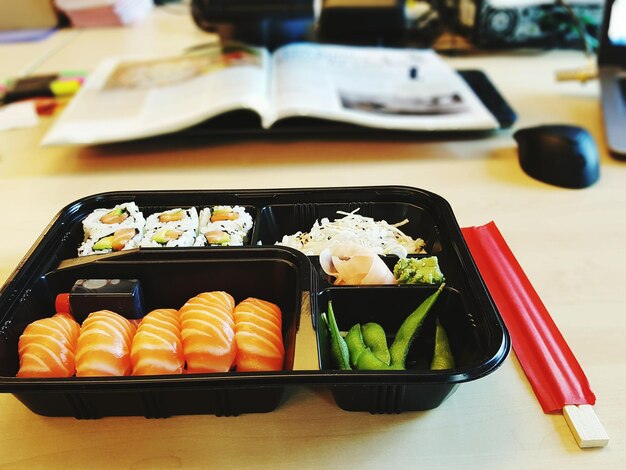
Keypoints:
pixel 400 89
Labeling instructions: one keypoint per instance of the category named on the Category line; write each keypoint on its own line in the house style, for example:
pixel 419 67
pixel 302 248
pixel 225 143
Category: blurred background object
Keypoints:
pixel 362 20
pixel 27 14
pixel 486 24
pixel 269 23
pixel 531 23
pixel 272 23
pixel 97 13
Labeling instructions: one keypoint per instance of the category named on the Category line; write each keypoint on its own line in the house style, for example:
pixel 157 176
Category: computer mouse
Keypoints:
pixel 561 155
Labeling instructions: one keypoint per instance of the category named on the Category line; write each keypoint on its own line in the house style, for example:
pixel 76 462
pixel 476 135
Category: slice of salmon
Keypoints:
pixel 103 347
pixel 172 216
pixel 121 237
pixel 46 348
pixel 157 346
pixel 258 331
pixel 116 216
pixel 208 332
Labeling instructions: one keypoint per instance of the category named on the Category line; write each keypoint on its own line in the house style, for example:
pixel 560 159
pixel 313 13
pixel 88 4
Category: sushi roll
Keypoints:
pixel 224 226
pixel 116 229
pixel 106 241
pixel 174 227
pixel 121 216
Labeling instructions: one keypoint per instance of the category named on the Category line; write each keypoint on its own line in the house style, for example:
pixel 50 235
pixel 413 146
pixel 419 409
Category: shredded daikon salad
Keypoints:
pixel 379 236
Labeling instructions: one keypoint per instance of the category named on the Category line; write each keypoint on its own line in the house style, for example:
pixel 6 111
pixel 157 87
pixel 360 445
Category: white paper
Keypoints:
pixel 17 115
pixel 408 89
pixel 126 99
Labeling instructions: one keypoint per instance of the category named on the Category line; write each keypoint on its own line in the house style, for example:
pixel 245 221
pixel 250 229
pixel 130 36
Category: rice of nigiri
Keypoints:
pixel 258 332
pixel 46 347
pixel 208 332
pixel 103 347
pixel 157 346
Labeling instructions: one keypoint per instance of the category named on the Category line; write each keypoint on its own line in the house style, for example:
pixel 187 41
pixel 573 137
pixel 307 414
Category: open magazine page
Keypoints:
pixel 137 98
pixel 406 89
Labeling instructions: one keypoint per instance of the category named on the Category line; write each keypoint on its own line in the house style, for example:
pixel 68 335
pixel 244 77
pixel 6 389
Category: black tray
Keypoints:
pixel 170 276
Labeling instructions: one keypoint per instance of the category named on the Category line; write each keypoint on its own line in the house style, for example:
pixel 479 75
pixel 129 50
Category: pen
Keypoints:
pixel 63 84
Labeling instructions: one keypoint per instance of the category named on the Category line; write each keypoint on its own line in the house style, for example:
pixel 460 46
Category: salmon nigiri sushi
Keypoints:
pixel 157 346
pixel 103 347
pixel 46 348
pixel 208 332
pixel 258 332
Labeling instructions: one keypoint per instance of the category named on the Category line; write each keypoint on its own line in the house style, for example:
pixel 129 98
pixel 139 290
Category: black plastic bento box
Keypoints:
pixel 285 276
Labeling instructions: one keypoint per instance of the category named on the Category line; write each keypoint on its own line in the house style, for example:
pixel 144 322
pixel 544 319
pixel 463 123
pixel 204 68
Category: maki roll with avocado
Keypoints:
pixel 174 227
pixel 115 229
pixel 123 215
pixel 224 226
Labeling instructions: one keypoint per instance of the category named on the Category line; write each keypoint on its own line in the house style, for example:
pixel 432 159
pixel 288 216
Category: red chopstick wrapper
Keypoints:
pixel 554 373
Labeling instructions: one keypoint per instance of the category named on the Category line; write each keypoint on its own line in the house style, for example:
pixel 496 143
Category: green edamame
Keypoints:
pixel 362 357
pixel 369 361
pixel 338 346
pixel 409 328
pixel 442 357
pixel 365 347
pixel 356 345
pixel 375 338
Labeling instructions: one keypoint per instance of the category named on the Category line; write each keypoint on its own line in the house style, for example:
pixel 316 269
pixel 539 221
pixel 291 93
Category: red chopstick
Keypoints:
pixel 552 369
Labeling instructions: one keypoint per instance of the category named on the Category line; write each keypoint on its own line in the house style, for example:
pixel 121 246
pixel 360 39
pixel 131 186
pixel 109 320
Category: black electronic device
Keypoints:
pixel 560 155
pixel 362 21
pixel 529 23
pixel 273 23
pixel 270 23
pixel 612 73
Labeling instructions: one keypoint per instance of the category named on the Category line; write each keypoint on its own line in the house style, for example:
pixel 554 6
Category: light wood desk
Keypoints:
pixel 570 243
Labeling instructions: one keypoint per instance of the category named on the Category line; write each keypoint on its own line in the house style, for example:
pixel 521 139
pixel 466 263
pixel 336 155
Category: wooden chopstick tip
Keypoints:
pixel 585 426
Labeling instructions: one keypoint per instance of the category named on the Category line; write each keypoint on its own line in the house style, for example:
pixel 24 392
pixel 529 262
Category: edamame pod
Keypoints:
pixel 442 357
pixel 362 357
pixel 409 328
pixel 369 361
pixel 356 345
pixel 375 338
pixel 338 346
